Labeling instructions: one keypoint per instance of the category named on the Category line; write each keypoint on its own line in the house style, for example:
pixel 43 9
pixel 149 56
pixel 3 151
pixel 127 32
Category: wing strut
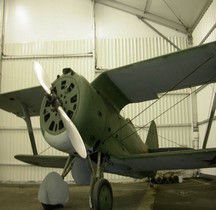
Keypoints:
pixel 209 122
pixel 29 127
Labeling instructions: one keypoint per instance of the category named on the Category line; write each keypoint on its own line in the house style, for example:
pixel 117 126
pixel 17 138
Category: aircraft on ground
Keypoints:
pixel 83 120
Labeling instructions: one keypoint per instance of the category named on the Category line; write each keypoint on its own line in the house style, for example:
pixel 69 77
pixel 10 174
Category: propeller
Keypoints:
pixel 42 77
pixel 73 134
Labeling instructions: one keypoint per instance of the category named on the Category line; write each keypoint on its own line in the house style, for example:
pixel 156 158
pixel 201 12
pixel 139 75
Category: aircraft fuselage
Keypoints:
pixel 98 121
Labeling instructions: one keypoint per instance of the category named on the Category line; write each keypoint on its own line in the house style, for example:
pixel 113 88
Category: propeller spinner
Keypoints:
pixel 73 134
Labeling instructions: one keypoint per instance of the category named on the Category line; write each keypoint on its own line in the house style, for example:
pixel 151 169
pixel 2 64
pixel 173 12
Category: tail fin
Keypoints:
pixel 152 138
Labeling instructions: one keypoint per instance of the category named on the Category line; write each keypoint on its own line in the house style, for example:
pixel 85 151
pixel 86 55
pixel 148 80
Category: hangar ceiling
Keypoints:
pixel 180 15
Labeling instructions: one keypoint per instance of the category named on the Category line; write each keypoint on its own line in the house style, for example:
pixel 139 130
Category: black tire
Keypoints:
pixel 176 178
pixel 153 180
pixel 102 196
pixel 159 180
pixel 51 207
pixel 165 180
pixel 172 180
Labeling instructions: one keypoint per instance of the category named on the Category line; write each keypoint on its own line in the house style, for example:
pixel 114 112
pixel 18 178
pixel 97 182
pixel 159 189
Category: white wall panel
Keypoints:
pixel 167 110
pixel 211 143
pixel 205 25
pixel 27 21
pixel 17 71
pixel 25 173
pixel 49 48
pixel 202 129
pixel 113 53
pixel 204 100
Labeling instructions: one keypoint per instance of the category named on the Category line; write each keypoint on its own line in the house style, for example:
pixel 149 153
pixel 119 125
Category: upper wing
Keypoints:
pixel 31 98
pixel 140 165
pixel 144 80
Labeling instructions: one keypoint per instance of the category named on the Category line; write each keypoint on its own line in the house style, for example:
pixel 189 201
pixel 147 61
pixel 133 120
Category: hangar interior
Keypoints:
pixel 92 37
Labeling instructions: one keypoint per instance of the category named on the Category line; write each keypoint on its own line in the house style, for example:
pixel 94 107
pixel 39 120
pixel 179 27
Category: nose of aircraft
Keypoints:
pixel 73 133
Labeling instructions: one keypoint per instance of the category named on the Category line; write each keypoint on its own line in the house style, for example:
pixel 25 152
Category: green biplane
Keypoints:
pixel 83 120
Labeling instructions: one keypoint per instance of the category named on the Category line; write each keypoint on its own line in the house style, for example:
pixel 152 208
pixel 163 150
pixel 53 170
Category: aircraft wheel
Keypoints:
pixel 102 196
pixel 159 180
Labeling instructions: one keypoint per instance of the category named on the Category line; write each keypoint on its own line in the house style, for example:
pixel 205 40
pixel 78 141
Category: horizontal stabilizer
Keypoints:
pixel 43 160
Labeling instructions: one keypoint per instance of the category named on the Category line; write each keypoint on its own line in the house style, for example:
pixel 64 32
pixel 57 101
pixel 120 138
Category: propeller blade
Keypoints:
pixel 73 133
pixel 42 77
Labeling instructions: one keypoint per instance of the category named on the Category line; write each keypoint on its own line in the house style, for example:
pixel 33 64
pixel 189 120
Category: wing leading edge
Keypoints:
pixel 43 160
pixel 142 81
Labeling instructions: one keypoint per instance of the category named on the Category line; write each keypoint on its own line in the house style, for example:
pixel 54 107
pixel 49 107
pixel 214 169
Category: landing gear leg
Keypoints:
pixel 68 166
pixel 101 196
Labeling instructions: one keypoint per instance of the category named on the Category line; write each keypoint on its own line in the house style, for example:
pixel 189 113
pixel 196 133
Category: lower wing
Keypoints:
pixel 142 165
pixel 139 166
pixel 43 160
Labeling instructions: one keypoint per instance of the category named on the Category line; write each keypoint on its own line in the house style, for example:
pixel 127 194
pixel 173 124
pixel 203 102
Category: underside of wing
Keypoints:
pixel 31 98
pixel 43 160
pixel 144 80
pixel 144 164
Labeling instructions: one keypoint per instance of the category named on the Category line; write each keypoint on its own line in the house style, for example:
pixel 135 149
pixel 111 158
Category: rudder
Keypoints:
pixel 152 138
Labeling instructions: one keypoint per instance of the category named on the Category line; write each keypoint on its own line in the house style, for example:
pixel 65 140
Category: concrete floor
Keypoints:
pixel 196 194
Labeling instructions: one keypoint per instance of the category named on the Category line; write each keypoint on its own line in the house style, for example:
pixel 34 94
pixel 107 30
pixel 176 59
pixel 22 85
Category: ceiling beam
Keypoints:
pixel 140 13
pixel 158 32
pixel 165 22
pixel 207 5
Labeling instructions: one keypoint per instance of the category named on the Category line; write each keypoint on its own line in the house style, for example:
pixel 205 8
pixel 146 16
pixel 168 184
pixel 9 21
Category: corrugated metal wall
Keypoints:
pixel 174 126
pixel 207 26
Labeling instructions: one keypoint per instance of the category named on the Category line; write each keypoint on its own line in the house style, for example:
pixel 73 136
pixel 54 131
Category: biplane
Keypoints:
pixel 83 120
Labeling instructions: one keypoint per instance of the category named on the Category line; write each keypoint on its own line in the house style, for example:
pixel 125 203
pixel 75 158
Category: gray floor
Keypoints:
pixel 196 194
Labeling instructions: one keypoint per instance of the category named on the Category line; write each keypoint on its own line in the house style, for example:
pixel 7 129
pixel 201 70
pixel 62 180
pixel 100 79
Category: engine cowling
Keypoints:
pixel 83 106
